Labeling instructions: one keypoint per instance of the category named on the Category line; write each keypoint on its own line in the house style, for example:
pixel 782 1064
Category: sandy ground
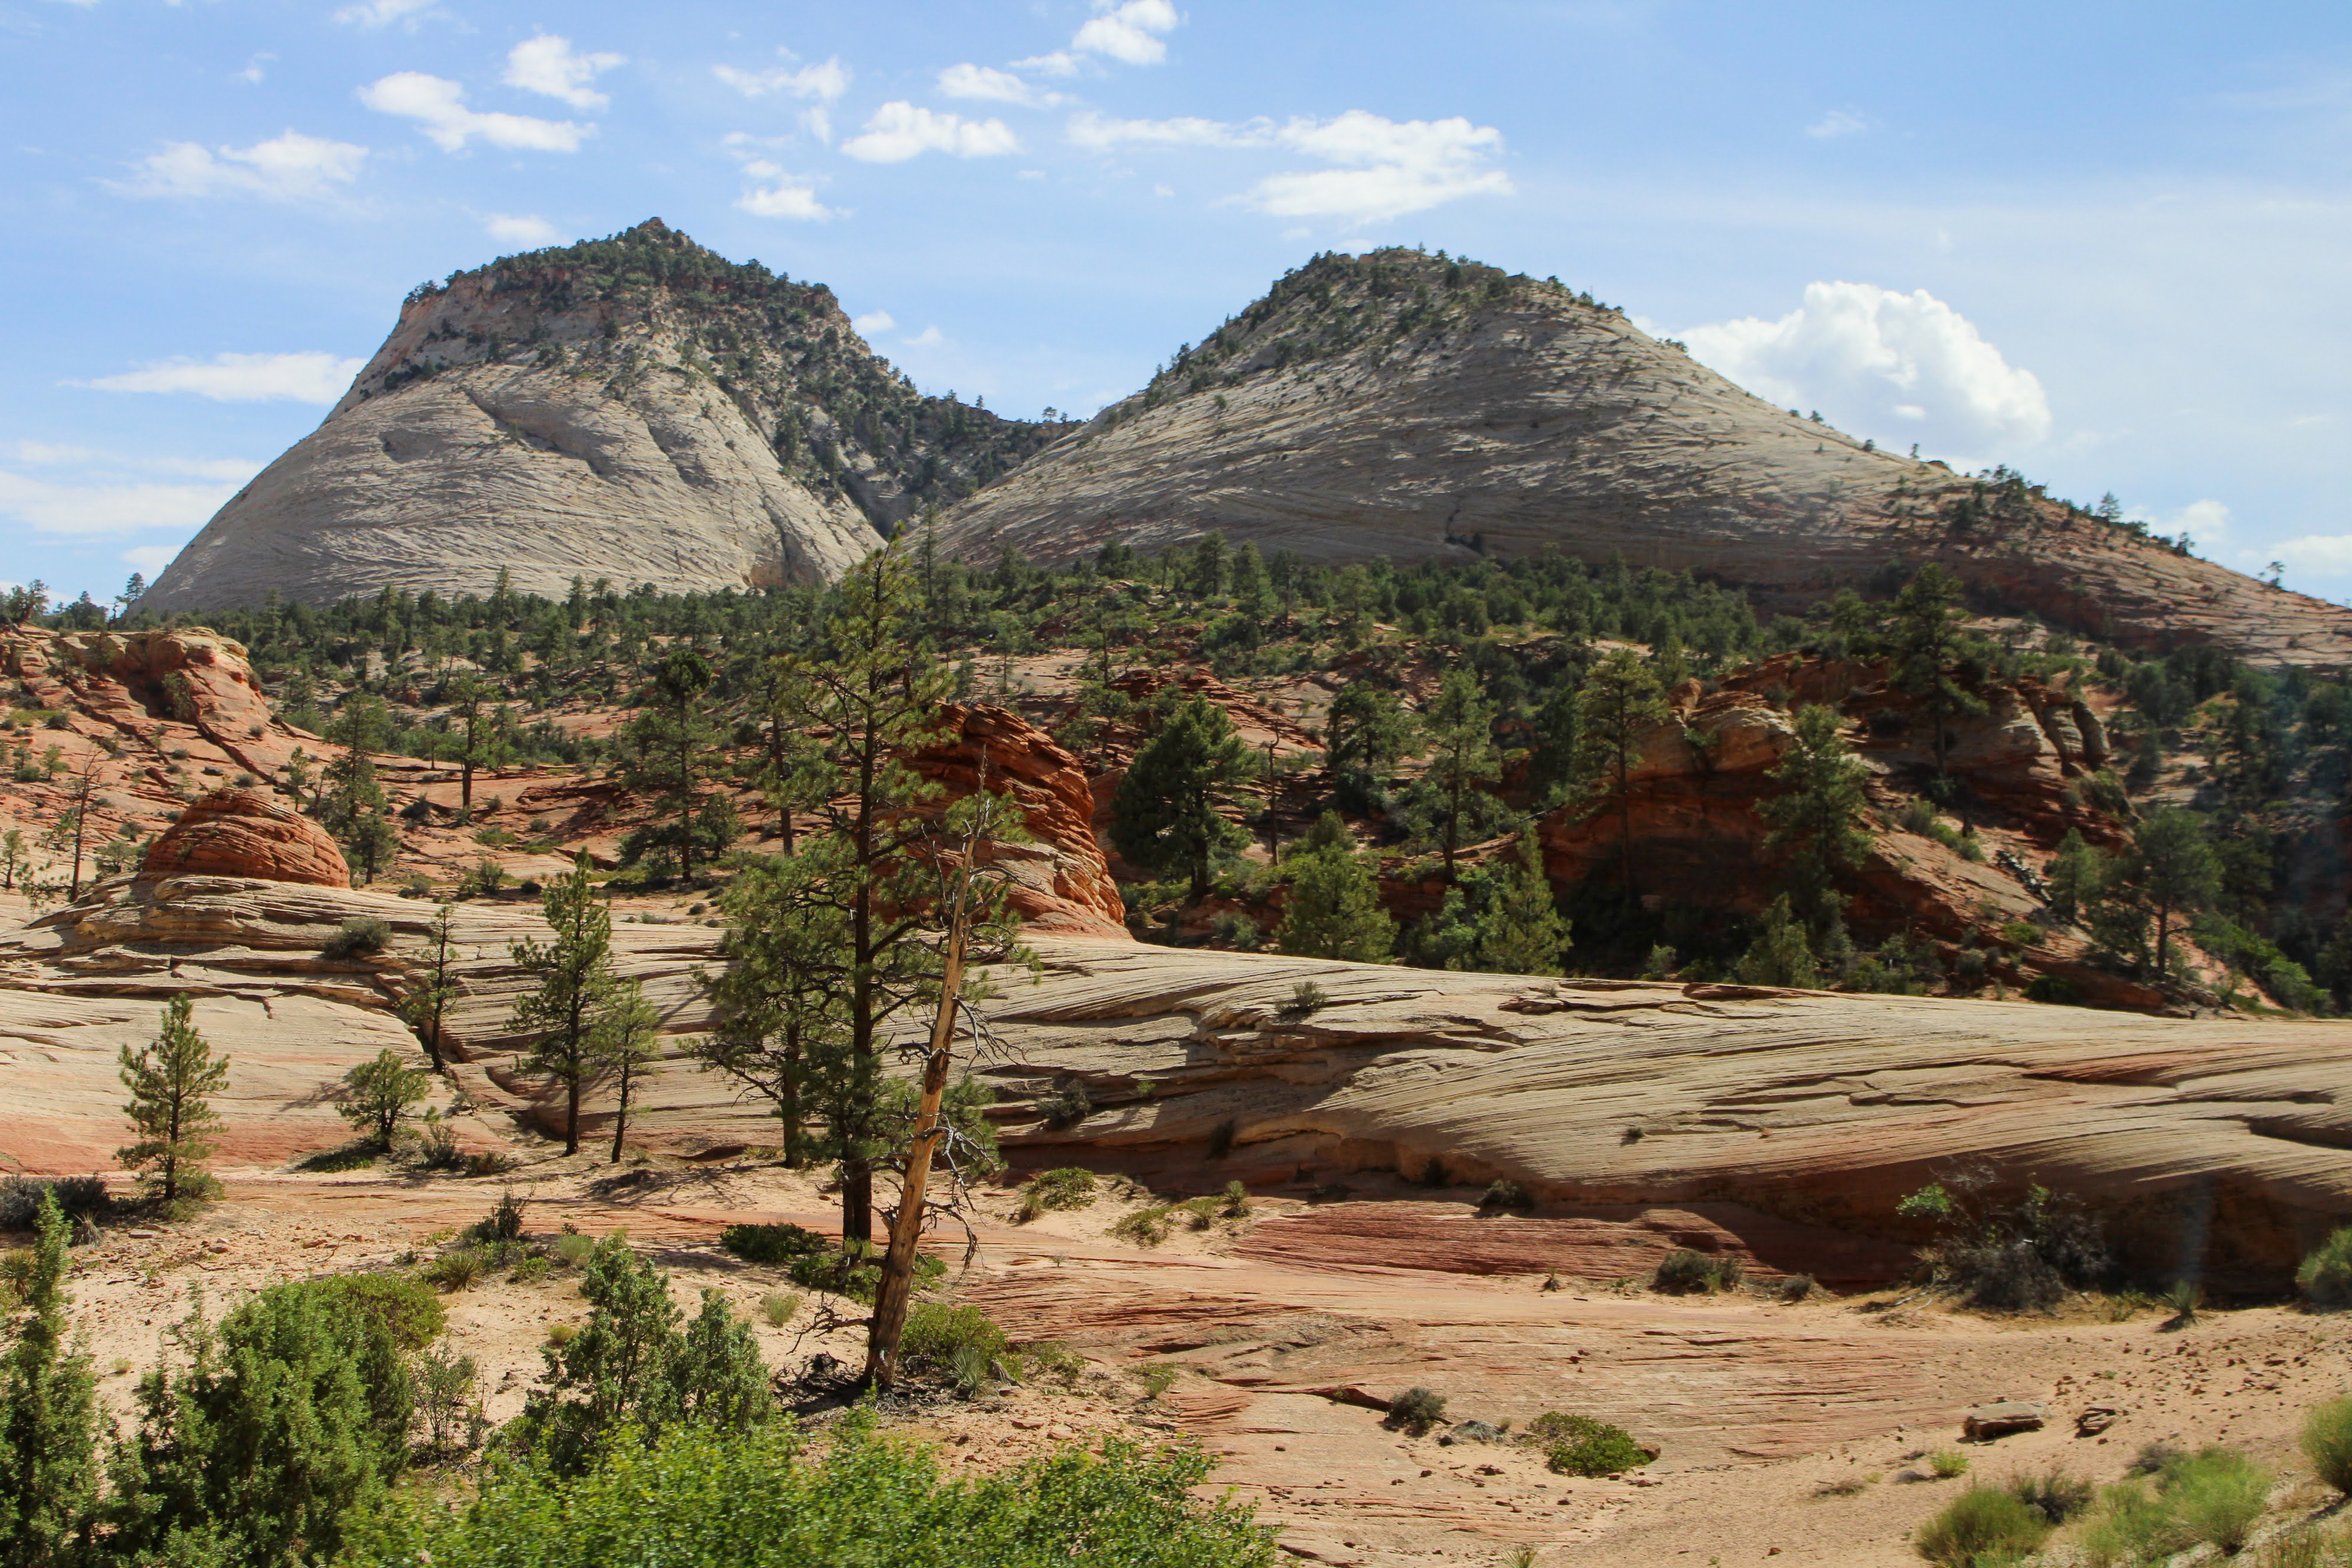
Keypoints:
pixel 1789 1431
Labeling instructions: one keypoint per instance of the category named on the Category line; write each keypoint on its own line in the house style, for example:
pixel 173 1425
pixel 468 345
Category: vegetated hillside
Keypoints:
pixel 1408 405
pixel 635 409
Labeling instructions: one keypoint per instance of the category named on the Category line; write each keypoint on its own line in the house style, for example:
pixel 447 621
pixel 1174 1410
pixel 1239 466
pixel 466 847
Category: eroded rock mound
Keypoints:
pixel 239 832
pixel 1058 882
pixel 637 409
pixel 134 684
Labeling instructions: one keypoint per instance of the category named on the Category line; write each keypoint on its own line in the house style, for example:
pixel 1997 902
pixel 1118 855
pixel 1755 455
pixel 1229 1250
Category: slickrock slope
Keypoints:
pixel 148 687
pixel 638 409
pixel 243 833
pixel 1785 1125
pixel 1404 405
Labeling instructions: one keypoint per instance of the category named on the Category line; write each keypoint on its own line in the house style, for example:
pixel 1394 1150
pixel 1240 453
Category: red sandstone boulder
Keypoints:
pixel 1059 881
pixel 243 833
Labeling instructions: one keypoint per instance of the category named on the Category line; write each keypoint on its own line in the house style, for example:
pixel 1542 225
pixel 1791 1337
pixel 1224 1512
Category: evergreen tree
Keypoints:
pixel 425 1008
pixel 1366 732
pixel 873 692
pixel 1253 594
pixel 1551 762
pixel 1333 909
pixel 672 747
pixel 352 804
pixel 780 1025
pixel 1779 954
pixel 1460 724
pixel 1619 700
pixel 565 1012
pixel 48 1419
pixel 2078 877
pixel 171 1082
pixel 1521 930
pixel 2170 871
pixel 377 1094
pixel 1925 639
pixel 1164 816
pixel 1818 813
pixel 629 1034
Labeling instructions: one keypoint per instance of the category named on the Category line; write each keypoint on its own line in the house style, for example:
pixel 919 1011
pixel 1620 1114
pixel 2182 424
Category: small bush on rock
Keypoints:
pixel 1685 1272
pixel 1580 1445
pixel 1502 1192
pixel 1068 1187
pixel 357 938
pixel 1415 1411
pixel 1982 1525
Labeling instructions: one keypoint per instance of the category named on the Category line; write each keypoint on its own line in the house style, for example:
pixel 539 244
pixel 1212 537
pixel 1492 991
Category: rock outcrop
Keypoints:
pixel 242 833
pixel 1058 881
pixel 135 685
pixel 636 409
pixel 1785 1124
pixel 1402 405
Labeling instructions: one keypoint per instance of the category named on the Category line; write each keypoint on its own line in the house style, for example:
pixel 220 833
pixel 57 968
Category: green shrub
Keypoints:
pixel 2132 1528
pixel 571 1248
pixel 1068 1187
pixel 776 1244
pixel 1580 1445
pixel 778 1308
pixel 958 1343
pixel 503 1222
pixel 1981 1526
pixel 357 938
pixel 1145 1226
pixel 1415 1411
pixel 1948 1464
pixel 20 1198
pixel 1236 1204
pixel 403 1303
pixel 699 1499
pixel 1502 1192
pixel 2056 1494
pixel 855 1272
pixel 2218 1497
pixel 1796 1287
pixel 456 1269
pixel 1685 1272
pixel 2327 1443
pixel 2326 1276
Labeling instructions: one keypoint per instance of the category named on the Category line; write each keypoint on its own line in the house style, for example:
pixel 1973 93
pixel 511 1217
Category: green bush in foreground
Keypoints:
pixel 1067 1187
pixel 699 1499
pixel 2327 1443
pixel 1981 1526
pixel 2326 1276
pixel 1580 1445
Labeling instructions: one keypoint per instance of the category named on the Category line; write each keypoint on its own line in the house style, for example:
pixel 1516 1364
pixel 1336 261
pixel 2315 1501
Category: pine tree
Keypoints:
pixel 48 1419
pixel 629 1034
pixel 1817 814
pixel 1366 730
pixel 426 1006
pixel 352 804
pixel 2170 871
pixel 780 1028
pixel 1333 909
pixel 672 746
pixel 171 1082
pixel 575 984
pixel 1779 954
pixel 377 1094
pixel 1620 699
pixel 1460 724
pixel 1923 637
pixel 2078 877
pixel 1522 931
pixel 1164 816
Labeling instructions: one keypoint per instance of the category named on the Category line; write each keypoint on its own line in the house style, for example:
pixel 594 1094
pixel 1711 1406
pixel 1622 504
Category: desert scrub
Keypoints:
pixel 403 1303
pixel 2326 1277
pixel 1155 1379
pixel 2057 1493
pixel 502 1223
pixel 357 938
pixel 2218 1497
pixel 456 1269
pixel 2327 1443
pixel 855 1271
pixel 1415 1411
pixel 775 1244
pixel 1580 1445
pixel 1237 1203
pixel 1948 1464
pixel 702 1499
pixel 1982 1525
pixel 1067 1187
pixel 1145 1226
pixel 958 1343
pixel 1503 1192
pixel 571 1248
pixel 778 1307
pixel 1685 1272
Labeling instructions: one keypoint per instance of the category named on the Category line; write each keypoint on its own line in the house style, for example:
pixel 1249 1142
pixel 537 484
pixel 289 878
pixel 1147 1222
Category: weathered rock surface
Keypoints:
pixel 242 833
pixel 1397 404
pixel 136 686
pixel 636 409
pixel 1783 1125
pixel 1058 881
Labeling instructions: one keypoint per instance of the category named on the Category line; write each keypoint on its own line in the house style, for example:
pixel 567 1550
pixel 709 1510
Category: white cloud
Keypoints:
pixel 1837 123
pixel 1883 363
pixel 1387 168
pixel 818 123
pixel 928 338
pixel 992 86
pixel 527 230
pixel 825 82
pixel 312 377
pixel 438 106
pixel 149 559
pixel 383 13
pixel 255 70
pixel 900 130
pixel 2320 554
pixel 546 65
pixel 1128 33
pixel 782 195
pixel 1102 134
pixel 1059 63
pixel 288 168
pixel 873 321
pixel 2206 522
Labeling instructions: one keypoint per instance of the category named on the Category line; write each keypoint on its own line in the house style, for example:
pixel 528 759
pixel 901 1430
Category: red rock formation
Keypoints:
pixel 135 683
pixel 1059 881
pixel 243 833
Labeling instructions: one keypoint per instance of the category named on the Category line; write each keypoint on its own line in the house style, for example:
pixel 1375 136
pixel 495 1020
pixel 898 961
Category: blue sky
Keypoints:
pixel 2103 243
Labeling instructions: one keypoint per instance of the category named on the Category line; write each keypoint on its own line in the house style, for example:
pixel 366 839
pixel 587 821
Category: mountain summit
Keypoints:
pixel 1425 407
pixel 637 408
